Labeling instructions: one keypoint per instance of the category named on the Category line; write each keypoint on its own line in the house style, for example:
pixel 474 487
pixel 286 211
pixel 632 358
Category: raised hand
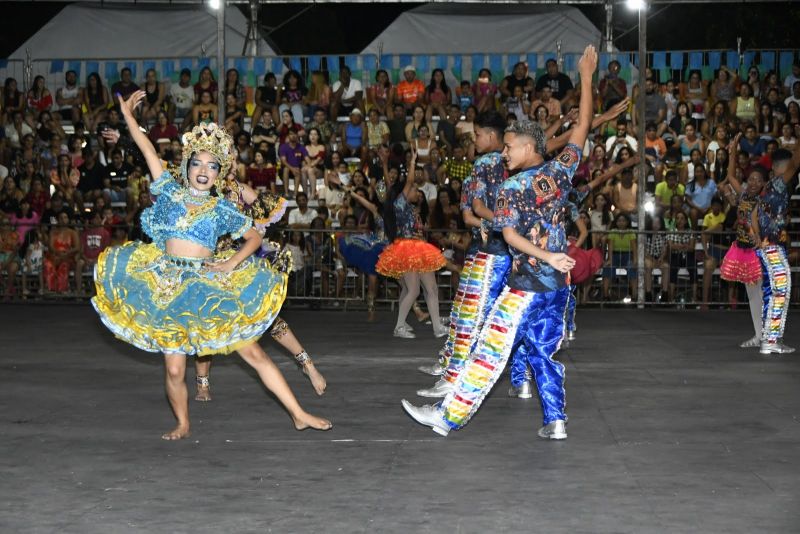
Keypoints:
pixel 733 147
pixel 618 109
pixel 129 105
pixel 588 62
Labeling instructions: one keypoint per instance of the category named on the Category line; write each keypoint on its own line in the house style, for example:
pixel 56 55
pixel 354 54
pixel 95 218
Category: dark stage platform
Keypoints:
pixel 672 429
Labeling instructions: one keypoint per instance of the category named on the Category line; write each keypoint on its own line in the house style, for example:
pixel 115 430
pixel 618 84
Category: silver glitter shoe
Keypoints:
pixel 555 430
pixel 440 389
pixel 522 392
pixel 751 343
pixel 435 369
pixel 775 348
pixel 427 415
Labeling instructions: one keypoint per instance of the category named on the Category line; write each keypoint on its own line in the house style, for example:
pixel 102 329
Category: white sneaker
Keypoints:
pixel 408 327
pixel 435 369
pixel 753 342
pixel 440 389
pixel 404 333
pixel 441 331
pixel 427 415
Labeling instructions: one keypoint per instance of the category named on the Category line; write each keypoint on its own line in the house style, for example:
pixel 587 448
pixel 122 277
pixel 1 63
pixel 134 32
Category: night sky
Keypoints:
pixel 347 28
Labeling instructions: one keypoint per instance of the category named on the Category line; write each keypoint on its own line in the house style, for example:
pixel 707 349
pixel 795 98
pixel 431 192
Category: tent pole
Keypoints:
pixel 221 62
pixel 251 43
pixel 609 26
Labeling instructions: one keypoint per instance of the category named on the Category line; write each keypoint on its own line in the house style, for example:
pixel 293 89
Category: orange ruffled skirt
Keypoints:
pixel 409 255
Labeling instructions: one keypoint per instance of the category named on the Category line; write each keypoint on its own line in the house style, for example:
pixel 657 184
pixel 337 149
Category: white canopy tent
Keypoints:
pixel 467 29
pixel 120 31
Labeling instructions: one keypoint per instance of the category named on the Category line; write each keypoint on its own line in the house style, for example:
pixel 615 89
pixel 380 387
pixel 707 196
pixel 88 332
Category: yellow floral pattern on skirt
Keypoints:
pixel 163 303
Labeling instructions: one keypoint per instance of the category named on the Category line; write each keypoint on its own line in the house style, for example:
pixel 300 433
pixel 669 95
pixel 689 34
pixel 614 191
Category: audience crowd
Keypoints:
pixel 71 186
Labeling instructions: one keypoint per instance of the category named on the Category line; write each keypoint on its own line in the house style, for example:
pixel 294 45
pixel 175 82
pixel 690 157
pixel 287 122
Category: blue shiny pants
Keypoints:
pixel 519 362
pixel 573 289
pixel 530 324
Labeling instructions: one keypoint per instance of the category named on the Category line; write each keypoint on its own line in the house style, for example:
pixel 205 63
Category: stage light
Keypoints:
pixel 213 4
pixel 635 5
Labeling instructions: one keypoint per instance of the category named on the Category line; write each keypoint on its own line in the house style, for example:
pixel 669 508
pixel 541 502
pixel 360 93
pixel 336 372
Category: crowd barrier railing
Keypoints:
pixel 687 280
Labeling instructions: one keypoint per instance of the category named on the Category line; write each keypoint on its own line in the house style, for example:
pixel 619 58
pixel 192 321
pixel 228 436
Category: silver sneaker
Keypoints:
pixel 524 391
pixel 404 333
pixel 555 430
pixel 751 343
pixel 775 348
pixel 427 415
pixel 571 335
pixel 440 389
pixel 435 369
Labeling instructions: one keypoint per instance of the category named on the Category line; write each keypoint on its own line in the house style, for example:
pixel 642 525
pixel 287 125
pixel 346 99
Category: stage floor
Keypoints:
pixel 673 428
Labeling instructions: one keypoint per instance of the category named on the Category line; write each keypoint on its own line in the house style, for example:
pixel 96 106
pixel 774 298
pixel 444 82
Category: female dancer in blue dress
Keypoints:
pixel 362 249
pixel 174 296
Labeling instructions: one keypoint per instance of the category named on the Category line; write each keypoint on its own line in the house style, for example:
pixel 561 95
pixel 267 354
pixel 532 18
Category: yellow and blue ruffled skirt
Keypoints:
pixel 163 303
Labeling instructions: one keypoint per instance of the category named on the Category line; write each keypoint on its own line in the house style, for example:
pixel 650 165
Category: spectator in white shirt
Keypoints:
pixel 302 216
pixel 181 96
pixel 347 94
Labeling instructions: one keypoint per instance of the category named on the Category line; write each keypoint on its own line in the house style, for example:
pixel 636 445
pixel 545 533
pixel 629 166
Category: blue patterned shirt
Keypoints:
pixel 484 182
pixel 535 203
pixel 772 211
pixel 409 224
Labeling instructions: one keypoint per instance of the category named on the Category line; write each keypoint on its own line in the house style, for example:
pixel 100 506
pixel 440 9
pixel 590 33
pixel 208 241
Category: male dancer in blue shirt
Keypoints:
pixel 528 316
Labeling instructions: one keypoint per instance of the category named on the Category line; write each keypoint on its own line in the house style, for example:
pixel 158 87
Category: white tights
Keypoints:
pixel 755 298
pixel 409 291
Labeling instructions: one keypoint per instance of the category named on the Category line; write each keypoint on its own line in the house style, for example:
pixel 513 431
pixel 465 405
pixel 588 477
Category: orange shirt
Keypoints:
pixel 409 93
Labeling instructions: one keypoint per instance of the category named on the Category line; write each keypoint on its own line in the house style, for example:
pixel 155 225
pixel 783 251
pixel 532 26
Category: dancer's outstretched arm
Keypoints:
pixel 150 156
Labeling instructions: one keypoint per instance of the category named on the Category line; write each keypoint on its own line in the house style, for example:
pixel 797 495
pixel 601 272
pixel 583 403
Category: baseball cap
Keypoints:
pixel 409 68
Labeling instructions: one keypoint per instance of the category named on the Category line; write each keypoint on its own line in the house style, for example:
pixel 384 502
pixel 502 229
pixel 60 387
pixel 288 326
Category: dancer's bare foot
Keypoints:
pixel 179 432
pixel 203 394
pixel 317 380
pixel 306 420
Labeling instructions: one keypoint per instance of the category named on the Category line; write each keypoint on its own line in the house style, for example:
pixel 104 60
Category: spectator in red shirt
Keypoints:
pixel 206 83
pixel 94 240
pixel 163 129
pixel 39 98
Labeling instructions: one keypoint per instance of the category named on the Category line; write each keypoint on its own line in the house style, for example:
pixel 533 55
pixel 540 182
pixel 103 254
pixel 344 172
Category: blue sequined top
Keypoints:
pixel 534 203
pixel 174 216
pixel 409 224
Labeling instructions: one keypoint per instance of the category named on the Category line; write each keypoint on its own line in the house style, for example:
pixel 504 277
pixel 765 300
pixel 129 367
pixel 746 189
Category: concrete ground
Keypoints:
pixel 672 429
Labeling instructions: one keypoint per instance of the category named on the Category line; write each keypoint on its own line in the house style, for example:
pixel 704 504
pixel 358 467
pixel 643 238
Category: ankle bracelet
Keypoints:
pixel 302 358
pixel 202 381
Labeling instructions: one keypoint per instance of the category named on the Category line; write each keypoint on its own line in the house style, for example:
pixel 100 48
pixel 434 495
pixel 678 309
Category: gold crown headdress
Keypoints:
pixel 209 138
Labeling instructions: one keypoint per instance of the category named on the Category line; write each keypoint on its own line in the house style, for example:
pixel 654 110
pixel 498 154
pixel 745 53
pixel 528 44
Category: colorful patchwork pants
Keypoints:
pixel 777 285
pixel 524 321
pixel 486 280
pixel 463 281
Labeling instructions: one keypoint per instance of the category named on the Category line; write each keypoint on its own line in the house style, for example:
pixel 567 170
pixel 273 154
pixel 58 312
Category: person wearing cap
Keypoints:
pixel 347 94
pixel 410 91
pixel 354 136
pixel 181 98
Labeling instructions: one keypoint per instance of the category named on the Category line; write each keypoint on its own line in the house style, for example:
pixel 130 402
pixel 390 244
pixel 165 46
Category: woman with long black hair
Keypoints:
pixel 410 258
